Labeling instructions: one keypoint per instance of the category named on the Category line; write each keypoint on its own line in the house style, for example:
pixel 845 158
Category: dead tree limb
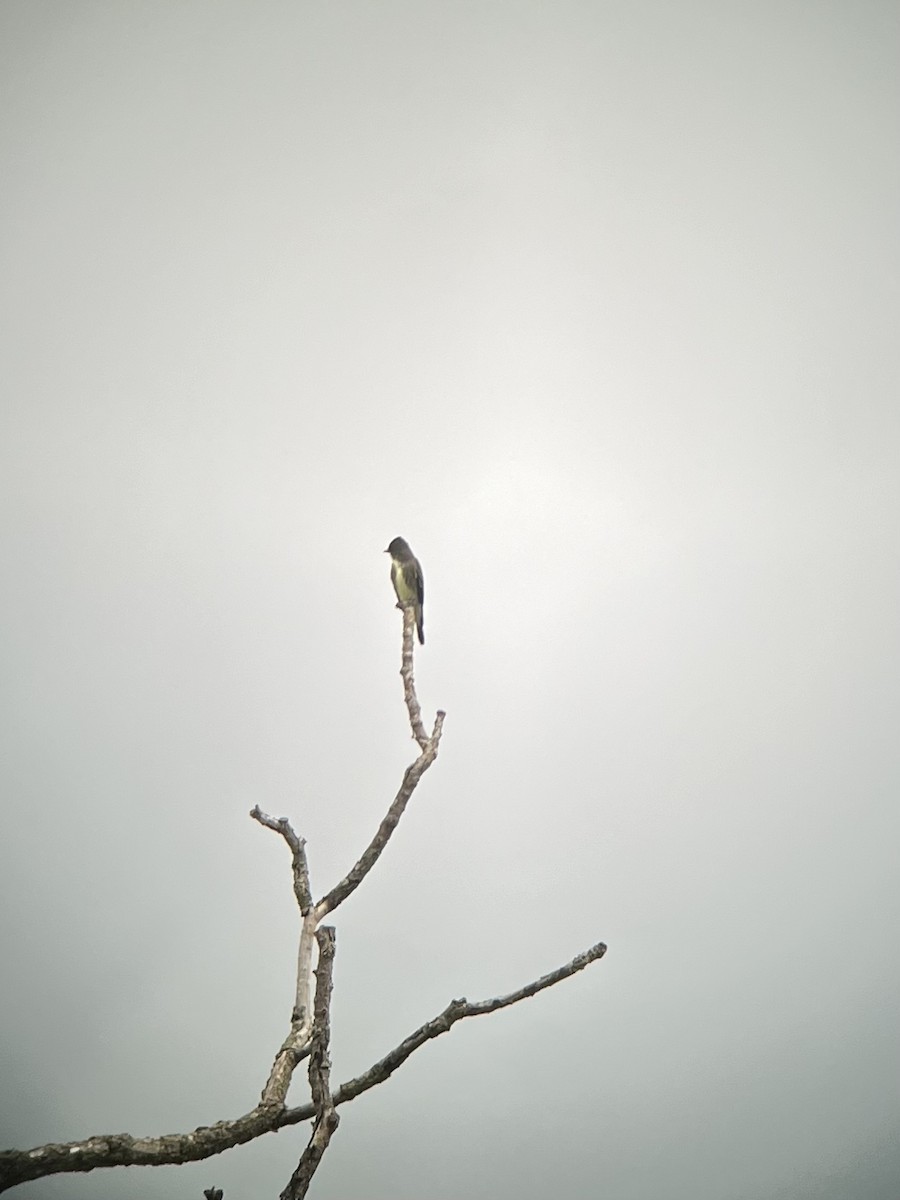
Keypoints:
pixel 309 1034
pixel 428 746
pixel 121 1149
pixel 326 1121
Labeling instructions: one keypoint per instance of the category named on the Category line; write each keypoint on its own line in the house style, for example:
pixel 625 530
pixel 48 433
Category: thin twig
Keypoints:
pixel 372 852
pixel 409 682
pixel 299 865
pixel 456 1010
pixel 429 749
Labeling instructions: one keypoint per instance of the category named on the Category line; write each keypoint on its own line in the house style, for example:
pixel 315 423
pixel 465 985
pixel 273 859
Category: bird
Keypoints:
pixel 408 581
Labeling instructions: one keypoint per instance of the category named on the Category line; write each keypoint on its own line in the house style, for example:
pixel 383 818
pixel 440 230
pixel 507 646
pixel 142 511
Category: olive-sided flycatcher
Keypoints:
pixel 408 581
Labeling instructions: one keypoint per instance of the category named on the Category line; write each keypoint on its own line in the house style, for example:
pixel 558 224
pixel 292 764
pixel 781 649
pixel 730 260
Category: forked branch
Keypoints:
pixel 117 1150
pixel 326 1121
pixel 309 1033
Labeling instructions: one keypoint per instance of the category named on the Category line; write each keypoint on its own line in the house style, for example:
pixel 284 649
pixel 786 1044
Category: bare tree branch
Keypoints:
pixel 309 1034
pixel 117 1150
pixel 414 772
pixel 456 1010
pixel 409 683
pixel 297 845
pixel 295 1046
pixel 319 1073
pixel 372 853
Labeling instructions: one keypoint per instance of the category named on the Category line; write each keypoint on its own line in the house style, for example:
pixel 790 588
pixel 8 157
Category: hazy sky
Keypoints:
pixel 597 305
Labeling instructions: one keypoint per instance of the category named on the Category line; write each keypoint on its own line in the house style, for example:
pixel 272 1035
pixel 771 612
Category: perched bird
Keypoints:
pixel 408 581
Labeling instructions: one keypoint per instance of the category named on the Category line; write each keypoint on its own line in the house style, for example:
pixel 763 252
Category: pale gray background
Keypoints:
pixel 597 305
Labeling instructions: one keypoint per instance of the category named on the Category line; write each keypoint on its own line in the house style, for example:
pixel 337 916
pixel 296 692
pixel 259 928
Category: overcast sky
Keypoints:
pixel 597 305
